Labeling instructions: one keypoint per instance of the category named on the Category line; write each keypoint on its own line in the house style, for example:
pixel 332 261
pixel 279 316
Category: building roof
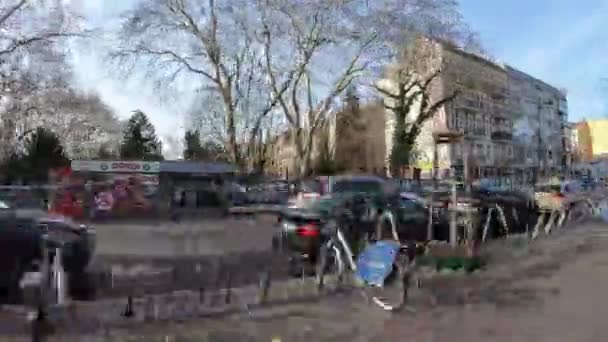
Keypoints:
pixel 522 75
pixel 455 49
pixel 184 166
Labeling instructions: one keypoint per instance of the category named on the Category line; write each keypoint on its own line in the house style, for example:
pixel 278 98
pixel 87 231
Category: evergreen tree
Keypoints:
pixel 42 152
pixel 139 140
pixel 193 149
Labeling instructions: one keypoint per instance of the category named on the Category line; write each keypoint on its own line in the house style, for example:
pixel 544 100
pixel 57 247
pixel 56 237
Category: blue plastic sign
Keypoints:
pixel 375 263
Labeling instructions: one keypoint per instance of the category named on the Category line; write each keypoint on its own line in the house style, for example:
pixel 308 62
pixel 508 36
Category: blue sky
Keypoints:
pixel 562 42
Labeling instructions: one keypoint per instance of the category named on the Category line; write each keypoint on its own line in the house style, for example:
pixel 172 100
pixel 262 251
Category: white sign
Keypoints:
pixel 116 166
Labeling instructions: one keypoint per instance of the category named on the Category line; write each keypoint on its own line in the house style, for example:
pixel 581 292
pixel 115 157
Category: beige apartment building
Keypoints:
pixel 481 112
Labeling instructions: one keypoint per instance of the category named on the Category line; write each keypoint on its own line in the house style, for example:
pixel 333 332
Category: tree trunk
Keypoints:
pixel 233 147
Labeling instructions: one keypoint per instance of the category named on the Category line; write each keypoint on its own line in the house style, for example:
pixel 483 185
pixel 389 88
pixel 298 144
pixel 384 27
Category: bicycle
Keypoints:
pixel 383 269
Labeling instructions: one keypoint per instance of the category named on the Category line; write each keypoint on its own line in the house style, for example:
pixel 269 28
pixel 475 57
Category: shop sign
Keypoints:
pixel 115 166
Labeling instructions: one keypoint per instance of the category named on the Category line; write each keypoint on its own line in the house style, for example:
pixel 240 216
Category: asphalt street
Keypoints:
pixel 201 237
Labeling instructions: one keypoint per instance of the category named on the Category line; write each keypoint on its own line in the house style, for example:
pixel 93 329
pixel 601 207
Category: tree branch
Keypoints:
pixel 175 57
pixel 271 75
pixel 12 10
pixel 343 82
pixel 19 43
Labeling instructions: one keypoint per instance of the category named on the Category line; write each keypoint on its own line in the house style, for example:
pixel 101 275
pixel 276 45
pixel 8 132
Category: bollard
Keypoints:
pixel 128 312
pixel 59 278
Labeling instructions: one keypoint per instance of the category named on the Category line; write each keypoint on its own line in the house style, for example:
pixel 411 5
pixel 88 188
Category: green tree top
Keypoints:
pixel 139 140
pixel 42 151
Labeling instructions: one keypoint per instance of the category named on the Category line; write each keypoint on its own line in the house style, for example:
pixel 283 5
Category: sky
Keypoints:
pixel 562 42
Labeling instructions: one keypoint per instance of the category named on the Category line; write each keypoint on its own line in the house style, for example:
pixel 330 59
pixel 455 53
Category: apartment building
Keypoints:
pixel 591 140
pixel 540 114
pixel 481 113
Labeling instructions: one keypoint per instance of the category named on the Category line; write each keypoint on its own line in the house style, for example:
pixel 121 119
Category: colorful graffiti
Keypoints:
pixel 103 196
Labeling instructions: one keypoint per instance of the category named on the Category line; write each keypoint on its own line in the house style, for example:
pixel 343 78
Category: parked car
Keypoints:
pixel 388 210
pixel 363 206
pixel 22 236
pixel 299 232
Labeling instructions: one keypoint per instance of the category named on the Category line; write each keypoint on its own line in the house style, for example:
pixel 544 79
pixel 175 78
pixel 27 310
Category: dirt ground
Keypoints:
pixel 556 292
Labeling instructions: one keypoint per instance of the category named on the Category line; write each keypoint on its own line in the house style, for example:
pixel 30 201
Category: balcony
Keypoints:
pixel 502 136
pixel 475 131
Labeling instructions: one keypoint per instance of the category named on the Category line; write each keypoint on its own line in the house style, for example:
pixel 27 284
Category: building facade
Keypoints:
pixel 540 114
pixel 480 113
pixel 584 142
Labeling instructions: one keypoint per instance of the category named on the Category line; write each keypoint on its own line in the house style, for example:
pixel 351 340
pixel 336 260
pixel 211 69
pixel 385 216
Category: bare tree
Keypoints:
pixel 314 34
pixel 31 57
pixel 210 45
pixel 26 24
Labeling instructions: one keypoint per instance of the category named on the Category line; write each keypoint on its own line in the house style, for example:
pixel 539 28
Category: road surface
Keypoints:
pixel 203 237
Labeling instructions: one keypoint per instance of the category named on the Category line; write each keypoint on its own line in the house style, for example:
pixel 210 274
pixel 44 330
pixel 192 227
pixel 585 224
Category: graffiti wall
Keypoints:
pixel 106 190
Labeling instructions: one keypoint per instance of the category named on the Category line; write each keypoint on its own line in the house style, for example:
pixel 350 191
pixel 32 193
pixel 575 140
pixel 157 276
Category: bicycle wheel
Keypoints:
pixel 330 261
pixel 392 296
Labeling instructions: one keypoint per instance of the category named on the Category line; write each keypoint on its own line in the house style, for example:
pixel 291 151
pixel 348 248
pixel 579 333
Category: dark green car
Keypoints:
pixel 389 210
pixel 364 206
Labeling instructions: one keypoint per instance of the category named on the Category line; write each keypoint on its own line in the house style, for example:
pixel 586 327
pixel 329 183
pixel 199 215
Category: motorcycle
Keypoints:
pixel 382 269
